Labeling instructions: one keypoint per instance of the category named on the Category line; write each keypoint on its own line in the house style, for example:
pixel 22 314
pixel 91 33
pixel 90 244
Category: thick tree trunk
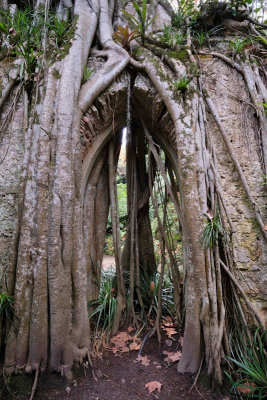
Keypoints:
pixel 58 245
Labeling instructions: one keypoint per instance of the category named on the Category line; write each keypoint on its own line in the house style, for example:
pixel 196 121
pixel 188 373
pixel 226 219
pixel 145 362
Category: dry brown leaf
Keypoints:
pixel 130 329
pixel 265 228
pixel 172 356
pixel 135 346
pixel 120 339
pixel 124 349
pixel 170 331
pixel 144 360
pixel 152 386
pixel 114 350
pixel 246 390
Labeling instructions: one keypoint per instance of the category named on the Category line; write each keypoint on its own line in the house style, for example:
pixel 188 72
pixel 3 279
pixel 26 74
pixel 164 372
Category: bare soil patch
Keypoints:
pixel 121 377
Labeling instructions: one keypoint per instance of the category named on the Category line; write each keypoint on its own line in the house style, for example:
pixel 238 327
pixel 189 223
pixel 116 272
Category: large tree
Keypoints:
pixel 70 158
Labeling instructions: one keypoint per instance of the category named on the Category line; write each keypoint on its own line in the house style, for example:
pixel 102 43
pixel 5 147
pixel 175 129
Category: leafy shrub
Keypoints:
pixel 250 377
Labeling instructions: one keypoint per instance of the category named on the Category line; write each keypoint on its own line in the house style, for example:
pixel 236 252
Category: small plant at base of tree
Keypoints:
pixel 142 23
pixel 250 378
pixel 103 310
pixel 238 45
pixel 124 36
pixel 202 37
pixel 183 84
pixel 87 73
pixel 186 9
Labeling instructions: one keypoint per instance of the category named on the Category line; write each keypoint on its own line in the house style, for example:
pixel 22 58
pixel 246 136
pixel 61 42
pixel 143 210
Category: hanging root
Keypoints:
pixel 255 315
pixel 196 378
pixel 35 382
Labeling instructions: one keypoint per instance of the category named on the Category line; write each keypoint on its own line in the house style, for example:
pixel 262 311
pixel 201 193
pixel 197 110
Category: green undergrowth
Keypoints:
pixel 30 37
pixel 247 366
pixel 102 311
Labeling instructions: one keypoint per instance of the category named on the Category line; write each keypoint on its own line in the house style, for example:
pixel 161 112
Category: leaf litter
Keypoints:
pixel 124 342
pixel 152 386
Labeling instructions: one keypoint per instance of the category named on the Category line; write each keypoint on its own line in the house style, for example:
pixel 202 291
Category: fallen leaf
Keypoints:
pixel 135 346
pixel 170 331
pixel 125 349
pixel 248 389
pixel 265 228
pixel 130 329
pixel 114 350
pixel 172 356
pixel 152 386
pixel 144 360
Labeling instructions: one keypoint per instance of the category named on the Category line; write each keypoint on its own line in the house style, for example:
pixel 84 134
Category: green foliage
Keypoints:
pixel 212 232
pixel 186 10
pixel 264 179
pixel 149 291
pixel 103 310
pixel 124 36
pixel 142 22
pixel 202 37
pixel 250 377
pixel 59 30
pixel 172 37
pixel 109 246
pixel 236 5
pixel 22 35
pixel 238 45
pixel 264 106
pixel 87 73
pixel 183 84
pixel 6 306
pixel 262 39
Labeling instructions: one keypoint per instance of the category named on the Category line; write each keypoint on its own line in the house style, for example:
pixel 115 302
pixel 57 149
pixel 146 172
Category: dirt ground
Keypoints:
pixel 121 377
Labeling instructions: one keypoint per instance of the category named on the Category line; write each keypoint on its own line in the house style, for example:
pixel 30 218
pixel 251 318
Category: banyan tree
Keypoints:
pixel 187 81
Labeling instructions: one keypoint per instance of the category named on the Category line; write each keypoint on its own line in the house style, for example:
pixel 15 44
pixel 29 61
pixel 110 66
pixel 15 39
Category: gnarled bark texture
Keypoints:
pixel 59 152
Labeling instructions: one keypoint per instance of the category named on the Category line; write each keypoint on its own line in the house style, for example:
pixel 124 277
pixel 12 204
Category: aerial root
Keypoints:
pixel 92 366
pixel 35 382
pixel 196 378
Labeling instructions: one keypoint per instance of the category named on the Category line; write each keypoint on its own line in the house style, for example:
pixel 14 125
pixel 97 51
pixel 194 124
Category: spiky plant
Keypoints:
pixel 250 375
pixel 103 310
pixel 142 22
pixel 183 84
pixel 212 231
pixel 124 36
